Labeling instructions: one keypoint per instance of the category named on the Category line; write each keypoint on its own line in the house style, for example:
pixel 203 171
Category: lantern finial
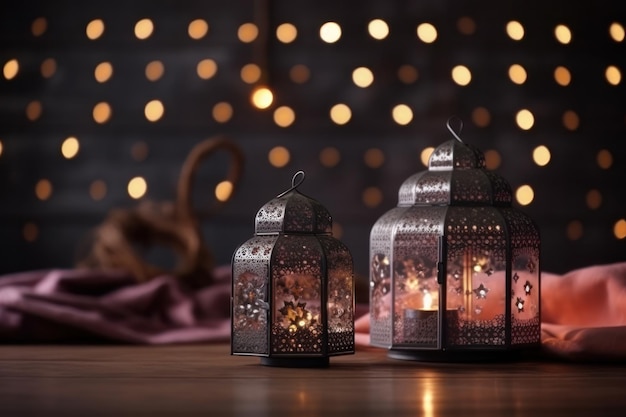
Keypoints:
pixel 296 181
pixel 451 129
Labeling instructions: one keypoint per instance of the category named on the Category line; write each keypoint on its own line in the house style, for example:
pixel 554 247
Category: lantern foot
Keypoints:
pixel 296 362
pixel 464 356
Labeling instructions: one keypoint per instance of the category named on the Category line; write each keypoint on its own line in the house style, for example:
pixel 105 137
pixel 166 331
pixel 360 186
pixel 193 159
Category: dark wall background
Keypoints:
pixel 37 233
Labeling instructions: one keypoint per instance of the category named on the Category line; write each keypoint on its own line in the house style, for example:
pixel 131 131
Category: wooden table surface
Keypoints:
pixel 204 380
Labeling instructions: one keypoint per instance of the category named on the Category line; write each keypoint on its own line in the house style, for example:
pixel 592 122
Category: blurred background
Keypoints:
pixel 100 103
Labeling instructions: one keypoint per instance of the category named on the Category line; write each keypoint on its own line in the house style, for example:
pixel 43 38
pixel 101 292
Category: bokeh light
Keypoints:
pixel 619 229
pixel 224 190
pixel 330 32
pixel 247 32
pixel 563 34
pixel 197 29
pixel 340 114
pixel 286 33
pixel 515 30
pixel 279 156
pixel 284 116
pixel 574 230
pixel 154 110
pixel 362 77
pixel 525 119
pixel 517 74
pixel 43 189
pixel 103 72
pixel 613 75
pixel 425 155
pixel 541 155
pixel 524 195
pixel 11 69
pixel 70 147
pixel 374 158
pixel 48 67
pixel 402 114
pixel 95 29
pixel 97 190
pixel 593 199
pixel 604 159
pixel 222 112
pixel 378 29
pixel 154 70
pixel 262 98
pixel 372 197
pixel 330 157
pixel 144 29
pixel 102 112
pixel 461 75
pixel 137 187
pixel 426 32
pixel 206 69
pixel 299 74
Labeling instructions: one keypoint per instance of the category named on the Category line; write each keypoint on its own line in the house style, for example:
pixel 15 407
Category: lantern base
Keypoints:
pixel 321 362
pixel 463 355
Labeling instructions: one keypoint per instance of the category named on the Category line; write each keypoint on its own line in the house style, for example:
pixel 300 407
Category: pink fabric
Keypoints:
pixel 583 311
pixel 95 306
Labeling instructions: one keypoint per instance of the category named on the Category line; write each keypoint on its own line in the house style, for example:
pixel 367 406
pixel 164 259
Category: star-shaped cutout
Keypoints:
pixel 527 287
pixel 519 303
pixel 481 291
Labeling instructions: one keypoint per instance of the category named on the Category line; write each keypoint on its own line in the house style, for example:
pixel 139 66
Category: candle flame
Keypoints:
pixel 428 300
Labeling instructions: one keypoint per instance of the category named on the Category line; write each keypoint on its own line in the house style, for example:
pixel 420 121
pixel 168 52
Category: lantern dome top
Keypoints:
pixel 456 175
pixel 293 212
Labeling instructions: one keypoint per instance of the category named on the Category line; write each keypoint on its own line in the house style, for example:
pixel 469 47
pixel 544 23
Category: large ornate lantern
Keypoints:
pixel 293 286
pixel 454 267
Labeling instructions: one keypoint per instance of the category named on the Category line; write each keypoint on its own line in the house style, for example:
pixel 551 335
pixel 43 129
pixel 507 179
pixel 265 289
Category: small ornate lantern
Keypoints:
pixel 293 286
pixel 454 267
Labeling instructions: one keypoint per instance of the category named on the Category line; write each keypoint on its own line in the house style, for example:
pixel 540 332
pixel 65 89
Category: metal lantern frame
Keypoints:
pixel 293 286
pixel 454 271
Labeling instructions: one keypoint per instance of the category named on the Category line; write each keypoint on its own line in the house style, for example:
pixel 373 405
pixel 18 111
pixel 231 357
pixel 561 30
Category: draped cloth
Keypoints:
pixel 583 311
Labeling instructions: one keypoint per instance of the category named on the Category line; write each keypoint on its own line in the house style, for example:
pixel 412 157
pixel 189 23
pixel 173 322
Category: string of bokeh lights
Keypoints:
pixel 284 116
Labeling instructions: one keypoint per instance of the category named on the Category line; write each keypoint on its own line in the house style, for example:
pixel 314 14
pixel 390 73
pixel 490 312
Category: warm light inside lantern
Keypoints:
pixel 427 300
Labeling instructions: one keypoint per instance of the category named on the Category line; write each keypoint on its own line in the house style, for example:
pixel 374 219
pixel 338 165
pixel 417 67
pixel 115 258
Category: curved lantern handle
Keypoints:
pixel 451 129
pixel 298 178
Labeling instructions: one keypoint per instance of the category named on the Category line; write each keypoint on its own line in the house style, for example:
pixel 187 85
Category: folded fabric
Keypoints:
pixel 583 311
pixel 82 305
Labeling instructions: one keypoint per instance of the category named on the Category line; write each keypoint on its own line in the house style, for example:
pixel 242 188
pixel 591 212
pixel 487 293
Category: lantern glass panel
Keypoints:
pixel 381 244
pixel 416 289
pixel 525 280
pixel 340 304
pixel 250 297
pixel 297 324
pixel 476 276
